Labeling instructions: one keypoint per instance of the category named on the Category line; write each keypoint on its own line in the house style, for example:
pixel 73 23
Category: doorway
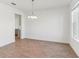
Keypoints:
pixel 17 26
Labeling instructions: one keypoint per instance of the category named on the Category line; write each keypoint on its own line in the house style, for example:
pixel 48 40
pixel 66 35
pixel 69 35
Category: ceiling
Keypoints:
pixel 26 5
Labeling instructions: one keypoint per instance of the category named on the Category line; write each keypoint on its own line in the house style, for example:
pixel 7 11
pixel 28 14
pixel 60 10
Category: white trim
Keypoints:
pixel 71 45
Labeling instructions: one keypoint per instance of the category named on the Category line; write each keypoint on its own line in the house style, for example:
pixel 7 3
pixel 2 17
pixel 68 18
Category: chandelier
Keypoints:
pixel 33 15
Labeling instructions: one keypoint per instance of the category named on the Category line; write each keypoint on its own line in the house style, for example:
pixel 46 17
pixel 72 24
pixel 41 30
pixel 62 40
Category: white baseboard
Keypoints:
pixel 4 44
pixel 47 40
pixel 74 50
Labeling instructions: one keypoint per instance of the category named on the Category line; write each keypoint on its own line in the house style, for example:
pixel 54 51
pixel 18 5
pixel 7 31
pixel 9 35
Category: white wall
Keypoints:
pixel 7 24
pixel 74 43
pixel 51 25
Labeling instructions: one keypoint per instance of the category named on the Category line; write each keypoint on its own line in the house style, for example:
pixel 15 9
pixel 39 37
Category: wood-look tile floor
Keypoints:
pixel 28 48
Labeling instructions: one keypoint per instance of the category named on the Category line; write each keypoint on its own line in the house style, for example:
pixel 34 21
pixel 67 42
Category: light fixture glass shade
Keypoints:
pixel 32 17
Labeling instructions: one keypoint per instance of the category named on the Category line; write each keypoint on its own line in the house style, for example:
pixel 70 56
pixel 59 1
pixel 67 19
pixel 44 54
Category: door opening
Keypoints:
pixel 17 26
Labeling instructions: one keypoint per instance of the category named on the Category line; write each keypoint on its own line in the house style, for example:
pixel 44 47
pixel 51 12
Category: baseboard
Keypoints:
pixel 7 43
pixel 74 50
pixel 47 40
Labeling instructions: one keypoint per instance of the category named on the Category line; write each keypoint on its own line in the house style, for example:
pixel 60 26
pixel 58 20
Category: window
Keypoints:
pixel 75 23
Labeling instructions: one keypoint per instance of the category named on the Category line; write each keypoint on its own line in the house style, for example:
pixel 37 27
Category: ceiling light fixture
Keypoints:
pixel 13 3
pixel 33 15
